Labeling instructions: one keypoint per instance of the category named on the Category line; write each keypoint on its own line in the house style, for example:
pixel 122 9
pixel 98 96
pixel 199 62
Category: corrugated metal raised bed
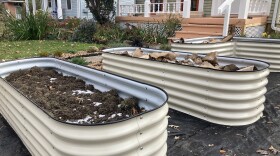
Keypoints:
pixel 228 98
pixel 256 48
pixel 144 134
pixel 199 45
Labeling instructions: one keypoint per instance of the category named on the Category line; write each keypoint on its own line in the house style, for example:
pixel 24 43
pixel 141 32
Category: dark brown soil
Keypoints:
pixel 68 99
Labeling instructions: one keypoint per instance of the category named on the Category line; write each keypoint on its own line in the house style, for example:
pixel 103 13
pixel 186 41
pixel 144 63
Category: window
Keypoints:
pixel 49 3
pixel 69 5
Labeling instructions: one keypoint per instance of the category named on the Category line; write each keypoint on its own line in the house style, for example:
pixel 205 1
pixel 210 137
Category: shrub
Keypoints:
pixel 79 60
pixel 63 29
pixel 84 32
pixel 154 33
pixel 117 44
pixel 108 32
pixel 30 27
pixel 165 47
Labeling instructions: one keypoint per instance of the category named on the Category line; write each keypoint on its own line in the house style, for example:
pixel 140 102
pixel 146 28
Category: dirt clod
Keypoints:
pixel 68 99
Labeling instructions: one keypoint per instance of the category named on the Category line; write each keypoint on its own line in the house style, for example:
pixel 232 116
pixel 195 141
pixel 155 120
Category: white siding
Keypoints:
pixel 127 2
pixel 69 13
pixel 85 12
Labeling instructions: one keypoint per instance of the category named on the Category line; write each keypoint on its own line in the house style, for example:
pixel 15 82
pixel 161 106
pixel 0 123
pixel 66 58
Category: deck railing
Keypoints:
pixel 225 8
pixel 158 8
pixel 133 9
pixel 170 7
pixel 259 7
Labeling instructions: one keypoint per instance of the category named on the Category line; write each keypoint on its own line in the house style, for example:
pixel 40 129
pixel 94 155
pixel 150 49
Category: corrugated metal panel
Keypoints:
pixel 268 52
pixel 255 48
pixel 142 135
pixel 223 49
pixel 228 98
pixel 207 7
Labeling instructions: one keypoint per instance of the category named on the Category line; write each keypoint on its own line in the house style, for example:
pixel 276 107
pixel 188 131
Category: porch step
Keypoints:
pixel 212 21
pixel 195 34
pixel 202 28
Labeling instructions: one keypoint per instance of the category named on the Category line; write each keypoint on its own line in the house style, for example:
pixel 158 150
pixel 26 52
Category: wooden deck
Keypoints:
pixel 198 26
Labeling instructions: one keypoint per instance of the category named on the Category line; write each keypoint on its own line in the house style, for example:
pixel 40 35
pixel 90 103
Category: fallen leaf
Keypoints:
pixel 222 151
pixel 211 145
pixel 249 68
pixel 273 150
pixel 211 58
pixel 137 53
pixel 177 137
pixel 206 64
pixel 231 67
pixel 174 126
pixel 262 152
pixel 145 56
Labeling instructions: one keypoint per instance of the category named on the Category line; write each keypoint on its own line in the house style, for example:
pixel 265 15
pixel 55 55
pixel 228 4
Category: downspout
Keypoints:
pixel 273 24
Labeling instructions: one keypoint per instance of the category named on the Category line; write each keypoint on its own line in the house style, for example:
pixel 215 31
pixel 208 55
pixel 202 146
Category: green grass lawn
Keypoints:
pixel 10 50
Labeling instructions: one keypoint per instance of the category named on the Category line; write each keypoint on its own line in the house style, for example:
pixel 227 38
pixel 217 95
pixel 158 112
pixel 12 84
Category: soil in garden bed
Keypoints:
pixel 68 99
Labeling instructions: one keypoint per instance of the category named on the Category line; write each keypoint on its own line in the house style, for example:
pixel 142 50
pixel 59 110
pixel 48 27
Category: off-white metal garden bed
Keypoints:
pixel 254 48
pixel 141 135
pixel 228 98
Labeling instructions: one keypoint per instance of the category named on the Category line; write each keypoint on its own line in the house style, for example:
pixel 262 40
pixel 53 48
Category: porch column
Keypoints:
pixel 78 8
pixel 147 8
pixel 164 6
pixel 34 6
pixel 59 10
pixel 243 9
pixel 200 5
pixel 187 9
pixel 118 8
pixel 27 7
pixel 45 2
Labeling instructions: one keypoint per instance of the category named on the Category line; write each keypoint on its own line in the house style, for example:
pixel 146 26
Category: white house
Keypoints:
pixel 62 9
pixel 201 18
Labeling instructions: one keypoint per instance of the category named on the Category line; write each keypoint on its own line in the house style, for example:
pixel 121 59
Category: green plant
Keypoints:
pixel 154 32
pixel 71 51
pixel 92 49
pixel 272 35
pixel 85 32
pixel 30 27
pixel 165 47
pixel 58 53
pixel 117 44
pixel 108 32
pixel 79 60
pixel 44 54
pixel 102 10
